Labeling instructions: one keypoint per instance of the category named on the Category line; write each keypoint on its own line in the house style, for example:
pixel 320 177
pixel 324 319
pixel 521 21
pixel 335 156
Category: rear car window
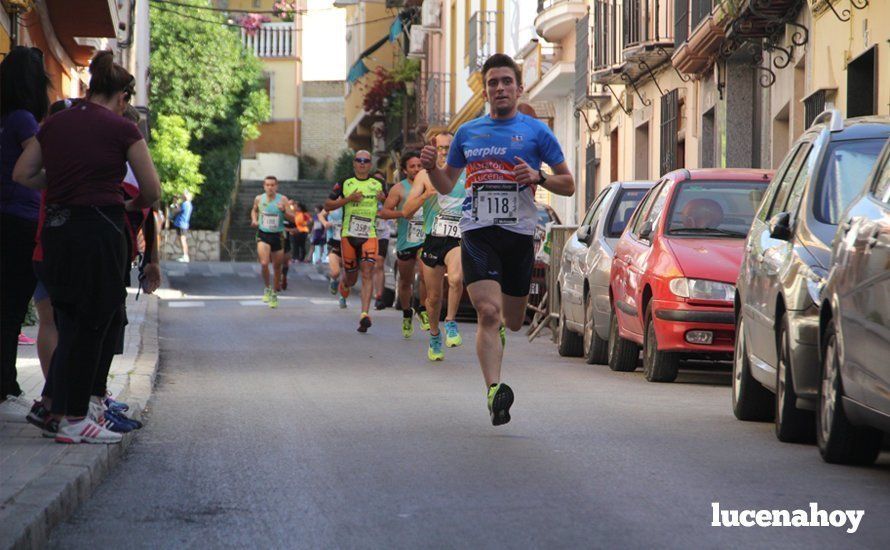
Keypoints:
pixel 623 210
pixel 724 208
pixel 843 175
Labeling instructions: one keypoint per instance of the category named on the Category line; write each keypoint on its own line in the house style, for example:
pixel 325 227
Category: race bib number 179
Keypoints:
pixel 495 203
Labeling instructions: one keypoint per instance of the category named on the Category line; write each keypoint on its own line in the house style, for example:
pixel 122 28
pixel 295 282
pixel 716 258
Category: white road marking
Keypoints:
pixel 317 277
pixel 322 302
pixel 186 304
pixel 247 275
pixel 252 303
pixel 176 274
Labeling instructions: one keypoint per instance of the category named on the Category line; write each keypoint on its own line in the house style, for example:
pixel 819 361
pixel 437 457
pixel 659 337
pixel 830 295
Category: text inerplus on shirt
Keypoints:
pixel 85 155
pixel 488 149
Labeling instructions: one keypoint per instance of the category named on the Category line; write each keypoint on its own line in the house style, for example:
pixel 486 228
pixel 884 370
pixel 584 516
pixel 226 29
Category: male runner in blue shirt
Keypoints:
pixel 502 154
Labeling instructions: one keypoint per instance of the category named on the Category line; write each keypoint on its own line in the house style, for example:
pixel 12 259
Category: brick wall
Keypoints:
pixel 324 123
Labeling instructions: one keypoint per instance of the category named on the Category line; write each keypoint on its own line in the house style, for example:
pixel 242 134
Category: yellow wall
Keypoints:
pixel 284 90
pixel 834 43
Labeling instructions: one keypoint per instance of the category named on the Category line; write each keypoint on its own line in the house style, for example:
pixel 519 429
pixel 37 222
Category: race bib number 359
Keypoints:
pixel 360 227
pixel 495 203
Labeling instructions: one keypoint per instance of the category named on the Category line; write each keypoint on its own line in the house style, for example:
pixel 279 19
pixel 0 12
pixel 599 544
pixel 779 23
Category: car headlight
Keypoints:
pixel 701 289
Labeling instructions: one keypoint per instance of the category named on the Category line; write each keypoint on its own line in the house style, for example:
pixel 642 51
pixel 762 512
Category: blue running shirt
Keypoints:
pixel 488 148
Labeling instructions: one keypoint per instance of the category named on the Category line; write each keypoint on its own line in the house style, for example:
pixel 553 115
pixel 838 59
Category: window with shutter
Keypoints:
pixel 582 58
pixel 670 108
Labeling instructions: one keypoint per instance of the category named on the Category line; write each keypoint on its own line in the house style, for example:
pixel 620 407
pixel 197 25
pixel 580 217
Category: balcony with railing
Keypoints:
pixel 432 103
pixel 647 32
pixel 556 18
pixel 481 38
pixel 698 34
pixel 271 40
pixel 538 61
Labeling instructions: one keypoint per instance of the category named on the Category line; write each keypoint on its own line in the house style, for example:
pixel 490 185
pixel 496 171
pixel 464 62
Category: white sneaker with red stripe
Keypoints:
pixel 85 431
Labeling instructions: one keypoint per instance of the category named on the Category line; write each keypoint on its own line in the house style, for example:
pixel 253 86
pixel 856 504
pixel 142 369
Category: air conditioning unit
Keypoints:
pixel 417 43
pixel 431 15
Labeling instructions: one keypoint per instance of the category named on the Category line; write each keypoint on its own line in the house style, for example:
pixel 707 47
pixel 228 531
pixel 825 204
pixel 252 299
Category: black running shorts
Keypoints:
pixel 436 248
pixel 496 254
pixel 409 253
pixel 334 247
pixel 382 248
pixel 274 240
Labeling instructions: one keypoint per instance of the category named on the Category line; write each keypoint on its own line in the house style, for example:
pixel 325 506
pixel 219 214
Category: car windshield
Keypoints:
pixel 843 175
pixel 622 211
pixel 717 209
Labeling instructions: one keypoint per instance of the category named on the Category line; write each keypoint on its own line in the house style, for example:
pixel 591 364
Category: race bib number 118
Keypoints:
pixel 495 203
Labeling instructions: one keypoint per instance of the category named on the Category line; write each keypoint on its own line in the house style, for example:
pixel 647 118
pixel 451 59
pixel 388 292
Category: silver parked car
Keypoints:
pixel 787 256
pixel 584 269
pixel 854 394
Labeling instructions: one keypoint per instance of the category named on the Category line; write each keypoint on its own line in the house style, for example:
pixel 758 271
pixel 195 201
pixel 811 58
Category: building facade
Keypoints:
pixel 277 44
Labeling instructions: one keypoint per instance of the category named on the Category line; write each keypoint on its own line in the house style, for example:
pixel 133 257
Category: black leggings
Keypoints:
pixel 299 246
pixel 17 282
pixel 76 360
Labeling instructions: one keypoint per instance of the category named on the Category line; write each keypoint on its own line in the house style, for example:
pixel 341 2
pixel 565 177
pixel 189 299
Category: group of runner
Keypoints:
pixel 465 207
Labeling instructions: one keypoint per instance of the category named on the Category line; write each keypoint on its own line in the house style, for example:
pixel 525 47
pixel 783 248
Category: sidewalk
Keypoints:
pixel 42 482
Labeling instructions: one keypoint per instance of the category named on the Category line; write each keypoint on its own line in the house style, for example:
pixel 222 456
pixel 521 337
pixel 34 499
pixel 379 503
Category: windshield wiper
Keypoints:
pixel 707 230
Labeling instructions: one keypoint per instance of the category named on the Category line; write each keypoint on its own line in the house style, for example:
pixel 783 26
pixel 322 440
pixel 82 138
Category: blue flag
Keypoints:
pixel 395 29
pixel 358 70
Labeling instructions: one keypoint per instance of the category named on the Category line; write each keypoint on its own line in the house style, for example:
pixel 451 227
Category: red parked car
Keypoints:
pixel 675 267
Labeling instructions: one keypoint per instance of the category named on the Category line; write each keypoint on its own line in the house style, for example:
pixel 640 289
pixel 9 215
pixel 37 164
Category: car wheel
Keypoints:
pixel 793 425
pixel 623 354
pixel 568 343
pixel 750 400
pixel 596 350
pixel 658 366
pixel 839 441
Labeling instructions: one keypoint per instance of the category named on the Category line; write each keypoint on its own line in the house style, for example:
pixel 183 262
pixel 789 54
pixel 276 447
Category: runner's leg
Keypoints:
pixel 277 260
pixel 455 283
pixel 486 298
pixel 406 282
pixel 264 254
pixel 514 308
pixel 367 269
pixel 433 277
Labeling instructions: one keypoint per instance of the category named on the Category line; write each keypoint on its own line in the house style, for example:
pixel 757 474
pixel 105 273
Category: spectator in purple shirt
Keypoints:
pixel 23 104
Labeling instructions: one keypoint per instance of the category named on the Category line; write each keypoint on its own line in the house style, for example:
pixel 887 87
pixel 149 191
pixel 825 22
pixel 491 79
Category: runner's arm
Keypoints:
pixel 288 210
pixel 323 218
pixel 254 217
pixel 418 194
pixel 335 199
pixel 388 212
pixel 561 181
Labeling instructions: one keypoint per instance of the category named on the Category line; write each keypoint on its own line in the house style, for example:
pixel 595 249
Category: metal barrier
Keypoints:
pixel 547 314
pixel 560 235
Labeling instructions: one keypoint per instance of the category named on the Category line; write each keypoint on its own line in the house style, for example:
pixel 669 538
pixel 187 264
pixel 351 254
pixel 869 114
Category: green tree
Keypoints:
pixel 201 72
pixel 178 168
pixel 343 166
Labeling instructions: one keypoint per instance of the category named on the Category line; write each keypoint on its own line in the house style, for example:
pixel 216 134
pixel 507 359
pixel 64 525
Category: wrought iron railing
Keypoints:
pixel 545 4
pixel 481 38
pixel 433 100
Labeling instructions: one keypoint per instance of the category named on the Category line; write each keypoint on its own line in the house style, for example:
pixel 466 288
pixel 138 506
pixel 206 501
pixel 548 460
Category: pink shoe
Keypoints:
pixel 25 341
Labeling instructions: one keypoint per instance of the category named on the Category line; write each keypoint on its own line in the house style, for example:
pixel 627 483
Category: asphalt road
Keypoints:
pixel 287 428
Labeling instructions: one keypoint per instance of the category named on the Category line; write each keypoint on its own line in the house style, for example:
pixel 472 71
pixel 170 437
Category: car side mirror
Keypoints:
pixel 780 226
pixel 584 234
pixel 646 230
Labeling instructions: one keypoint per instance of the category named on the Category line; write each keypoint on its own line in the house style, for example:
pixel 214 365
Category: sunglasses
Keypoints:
pixel 443 147
pixel 362 161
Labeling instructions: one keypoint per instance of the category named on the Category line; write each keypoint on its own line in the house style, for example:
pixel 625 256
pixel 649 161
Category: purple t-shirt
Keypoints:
pixel 17 200
pixel 85 155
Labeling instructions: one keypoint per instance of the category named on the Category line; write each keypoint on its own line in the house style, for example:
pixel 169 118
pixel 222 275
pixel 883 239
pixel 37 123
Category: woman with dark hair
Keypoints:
pixel 85 150
pixel 23 104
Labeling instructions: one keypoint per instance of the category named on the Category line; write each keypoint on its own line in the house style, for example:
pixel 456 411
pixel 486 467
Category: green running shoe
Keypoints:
pixel 342 302
pixel 452 336
pixel 407 327
pixel 267 293
pixel 273 300
pixel 500 399
pixel 435 352
pixel 424 320
pixel 333 286
pixel 503 334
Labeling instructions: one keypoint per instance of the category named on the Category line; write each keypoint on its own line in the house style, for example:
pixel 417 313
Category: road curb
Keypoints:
pixel 31 515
